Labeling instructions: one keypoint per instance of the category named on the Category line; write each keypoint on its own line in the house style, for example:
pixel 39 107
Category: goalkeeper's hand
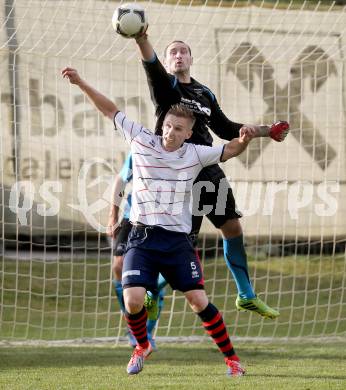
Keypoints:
pixel 143 36
pixel 279 130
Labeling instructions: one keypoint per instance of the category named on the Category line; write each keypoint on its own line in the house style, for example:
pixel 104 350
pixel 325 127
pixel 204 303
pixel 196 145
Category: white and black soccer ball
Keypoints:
pixel 129 20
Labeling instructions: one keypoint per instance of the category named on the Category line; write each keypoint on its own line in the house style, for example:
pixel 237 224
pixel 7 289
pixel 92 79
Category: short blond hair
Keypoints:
pixel 183 112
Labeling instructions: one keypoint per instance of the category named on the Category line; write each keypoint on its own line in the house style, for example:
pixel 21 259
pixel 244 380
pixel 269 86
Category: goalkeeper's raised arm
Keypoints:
pixel 145 47
pixel 102 103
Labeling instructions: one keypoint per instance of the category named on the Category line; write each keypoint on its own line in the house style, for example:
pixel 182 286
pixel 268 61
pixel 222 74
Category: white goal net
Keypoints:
pixel 264 61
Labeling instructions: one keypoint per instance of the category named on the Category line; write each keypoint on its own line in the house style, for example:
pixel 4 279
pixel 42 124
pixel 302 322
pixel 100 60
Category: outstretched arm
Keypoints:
pixel 102 103
pixel 236 146
pixel 145 48
pixel 277 131
pixel 162 92
pixel 227 129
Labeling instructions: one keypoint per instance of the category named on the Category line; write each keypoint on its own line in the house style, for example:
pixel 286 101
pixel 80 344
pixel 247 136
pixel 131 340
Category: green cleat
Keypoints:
pixel 256 305
pixel 152 307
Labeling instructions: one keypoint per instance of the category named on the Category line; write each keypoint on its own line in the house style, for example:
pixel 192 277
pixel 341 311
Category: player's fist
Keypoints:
pixel 248 131
pixel 72 75
pixel 279 130
pixel 113 227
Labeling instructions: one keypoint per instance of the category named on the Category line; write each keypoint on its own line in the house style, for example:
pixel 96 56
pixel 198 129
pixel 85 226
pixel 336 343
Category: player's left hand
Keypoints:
pixel 246 137
pixel 279 130
pixel 248 131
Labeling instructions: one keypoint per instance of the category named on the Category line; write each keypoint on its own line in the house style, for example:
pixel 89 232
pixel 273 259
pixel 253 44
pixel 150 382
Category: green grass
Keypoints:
pixel 73 299
pixel 199 366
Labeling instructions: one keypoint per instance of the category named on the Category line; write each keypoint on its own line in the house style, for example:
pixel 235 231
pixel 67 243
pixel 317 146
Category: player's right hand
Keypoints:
pixel 113 227
pixel 143 36
pixel 113 230
pixel 72 75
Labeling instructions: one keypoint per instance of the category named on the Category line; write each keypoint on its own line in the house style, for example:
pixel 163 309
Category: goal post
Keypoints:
pixel 265 61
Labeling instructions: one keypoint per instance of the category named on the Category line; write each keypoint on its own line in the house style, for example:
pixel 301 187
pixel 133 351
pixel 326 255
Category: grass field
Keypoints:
pixel 286 366
pixel 66 299
pixel 63 299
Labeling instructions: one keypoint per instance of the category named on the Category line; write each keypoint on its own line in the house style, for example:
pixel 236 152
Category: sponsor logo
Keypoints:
pixel 198 91
pixel 195 106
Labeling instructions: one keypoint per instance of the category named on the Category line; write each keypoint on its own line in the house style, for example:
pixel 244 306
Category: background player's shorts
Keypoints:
pixel 222 200
pixel 152 250
pixel 119 243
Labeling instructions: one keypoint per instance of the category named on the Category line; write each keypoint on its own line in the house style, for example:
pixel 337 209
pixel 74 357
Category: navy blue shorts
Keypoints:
pixel 152 250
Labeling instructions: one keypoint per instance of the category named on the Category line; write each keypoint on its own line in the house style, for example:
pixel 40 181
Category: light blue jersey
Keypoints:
pixel 126 176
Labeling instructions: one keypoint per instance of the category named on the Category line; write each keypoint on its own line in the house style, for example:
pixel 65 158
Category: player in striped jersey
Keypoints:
pixel 119 232
pixel 164 169
pixel 173 84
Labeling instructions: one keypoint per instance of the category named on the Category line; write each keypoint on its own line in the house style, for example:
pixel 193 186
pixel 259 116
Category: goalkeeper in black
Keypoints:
pixel 170 83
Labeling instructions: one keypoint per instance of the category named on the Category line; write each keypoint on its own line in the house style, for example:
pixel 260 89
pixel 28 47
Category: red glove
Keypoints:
pixel 279 130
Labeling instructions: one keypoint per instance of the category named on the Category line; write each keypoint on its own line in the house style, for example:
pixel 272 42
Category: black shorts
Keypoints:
pixel 119 243
pixel 152 250
pixel 219 198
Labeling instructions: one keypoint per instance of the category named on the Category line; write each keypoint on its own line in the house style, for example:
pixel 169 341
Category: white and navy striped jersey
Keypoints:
pixel 162 180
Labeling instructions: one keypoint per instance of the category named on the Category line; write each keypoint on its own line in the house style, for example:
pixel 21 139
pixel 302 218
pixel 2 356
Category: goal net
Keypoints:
pixel 264 61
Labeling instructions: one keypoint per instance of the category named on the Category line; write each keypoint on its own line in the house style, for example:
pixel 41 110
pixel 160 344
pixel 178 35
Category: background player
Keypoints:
pixel 173 84
pixel 165 232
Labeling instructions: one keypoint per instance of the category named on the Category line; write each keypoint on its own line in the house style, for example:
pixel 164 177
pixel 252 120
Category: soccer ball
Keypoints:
pixel 129 20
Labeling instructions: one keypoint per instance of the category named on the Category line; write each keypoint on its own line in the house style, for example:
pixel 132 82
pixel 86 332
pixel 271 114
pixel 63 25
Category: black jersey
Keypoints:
pixel 166 90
